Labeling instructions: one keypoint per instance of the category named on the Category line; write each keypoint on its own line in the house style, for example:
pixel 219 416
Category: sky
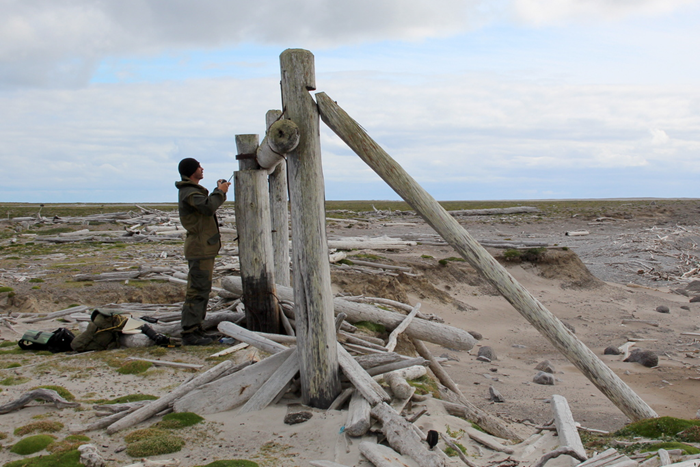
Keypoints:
pixel 477 100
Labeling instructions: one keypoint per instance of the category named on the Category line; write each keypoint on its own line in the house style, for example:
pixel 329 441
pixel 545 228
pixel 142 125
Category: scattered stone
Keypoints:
pixel 476 335
pixel 611 350
pixel 518 346
pixel 298 417
pixel 486 353
pixel 644 357
pixel 545 366
pixel 544 378
pixel 495 396
pixel 662 309
pixel 695 299
pixel 685 307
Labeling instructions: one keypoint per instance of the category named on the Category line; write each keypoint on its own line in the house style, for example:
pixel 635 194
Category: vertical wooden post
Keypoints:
pixel 313 298
pixel 254 240
pixel 279 214
pixel 447 226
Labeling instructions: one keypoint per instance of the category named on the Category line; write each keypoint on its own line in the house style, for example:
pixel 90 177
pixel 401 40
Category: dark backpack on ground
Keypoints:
pixel 102 333
pixel 58 341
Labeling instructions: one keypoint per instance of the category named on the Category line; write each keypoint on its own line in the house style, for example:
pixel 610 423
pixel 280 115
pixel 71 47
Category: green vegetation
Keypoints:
pixel 176 421
pixel 44 426
pixel 134 367
pixel 70 443
pixel 36 279
pixel 426 257
pixel 531 254
pixel 686 448
pixel 372 327
pixel 658 428
pixel 443 262
pixel 126 399
pixel 6 289
pixel 152 442
pixel 8 344
pixel 60 459
pixel 425 385
pixel 368 256
pixel 13 381
pixel 32 444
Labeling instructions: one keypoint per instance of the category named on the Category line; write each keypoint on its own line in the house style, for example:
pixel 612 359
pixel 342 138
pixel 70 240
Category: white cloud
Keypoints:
pixel 658 136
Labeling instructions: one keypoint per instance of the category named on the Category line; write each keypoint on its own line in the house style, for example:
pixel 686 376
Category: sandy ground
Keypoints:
pixel 615 251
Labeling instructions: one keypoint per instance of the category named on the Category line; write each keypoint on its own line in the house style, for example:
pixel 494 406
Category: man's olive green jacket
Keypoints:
pixel 198 216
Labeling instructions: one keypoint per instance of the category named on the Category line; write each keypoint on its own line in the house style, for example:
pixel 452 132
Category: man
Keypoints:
pixel 198 216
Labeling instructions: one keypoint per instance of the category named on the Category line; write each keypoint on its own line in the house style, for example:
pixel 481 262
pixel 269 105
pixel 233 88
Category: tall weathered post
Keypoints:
pixel 254 239
pixel 311 278
pixel 279 214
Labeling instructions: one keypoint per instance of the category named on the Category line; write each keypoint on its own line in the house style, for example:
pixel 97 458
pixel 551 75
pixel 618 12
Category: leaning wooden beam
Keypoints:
pixel 450 229
pixel 250 337
pixel 430 331
pixel 48 395
pixel 561 450
pixel 401 436
pixel 313 296
pixel 382 456
pixel 394 336
pixel 230 391
pixel 467 410
pixel 566 427
pixel 397 380
pixel 190 366
pixel 370 389
pixel 147 411
pixel 488 441
pixel 279 379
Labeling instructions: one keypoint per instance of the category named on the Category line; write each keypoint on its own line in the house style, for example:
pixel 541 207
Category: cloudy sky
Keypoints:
pixel 500 99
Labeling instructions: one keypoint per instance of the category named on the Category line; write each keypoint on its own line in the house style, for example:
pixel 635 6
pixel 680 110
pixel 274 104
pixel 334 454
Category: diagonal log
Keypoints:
pixel 447 226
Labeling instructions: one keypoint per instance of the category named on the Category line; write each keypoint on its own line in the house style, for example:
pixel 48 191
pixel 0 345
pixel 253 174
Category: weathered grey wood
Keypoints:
pixel 391 267
pixel 191 366
pixel 250 337
pixel 488 441
pixel 342 399
pixel 396 366
pixel 394 336
pixel 48 395
pixel 347 337
pixel 313 297
pixel 212 320
pixel 58 314
pixel 359 420
pixel 495 211
pixel 279 379
pixel 370 361
pixel 456 448
pixel 448 227
pixel 279 214
pixel 247 146
pixel 430 331
pixel 255 244
pixel 560 451
pixel 105 421
pixel 363 382
pixel 228 392
pixel 664 457
pixel 397 380
pixel 149 410
pixel 282 137
pixel 279 338
pixel 402 437
pixel 566 427
pixel 326 464
pixel 602 458
pixel 382 456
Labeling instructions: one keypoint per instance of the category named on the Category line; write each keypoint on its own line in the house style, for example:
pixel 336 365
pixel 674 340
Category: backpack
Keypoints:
pixel 102 332
pixel 58 341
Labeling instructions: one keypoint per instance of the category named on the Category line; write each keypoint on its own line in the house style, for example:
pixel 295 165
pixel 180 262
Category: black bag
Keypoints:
pixel 55 342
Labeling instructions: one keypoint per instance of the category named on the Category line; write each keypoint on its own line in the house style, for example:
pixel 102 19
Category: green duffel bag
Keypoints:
pixel 102 332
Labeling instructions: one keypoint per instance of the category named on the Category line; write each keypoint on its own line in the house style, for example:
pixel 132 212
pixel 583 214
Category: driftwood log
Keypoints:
pixel 566 428
pixel 429 331
pixel 449 228
pixel 48 395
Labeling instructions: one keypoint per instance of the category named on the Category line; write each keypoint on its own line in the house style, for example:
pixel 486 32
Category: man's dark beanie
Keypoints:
pixel 188 166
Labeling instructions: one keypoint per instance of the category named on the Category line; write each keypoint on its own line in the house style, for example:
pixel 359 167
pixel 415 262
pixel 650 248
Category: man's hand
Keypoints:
pixel 223 185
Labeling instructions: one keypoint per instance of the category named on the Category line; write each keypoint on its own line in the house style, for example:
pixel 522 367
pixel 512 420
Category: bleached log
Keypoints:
pixel 402 437
pixel 456 448
pixel 326 464
pixel 362 381
pixel 58 314
pixel 447 226
pixel 577 233
pixel 664 457
pixel 232 349
pixel 370 244
pixel 561 450
pixel 337 256
pixel 282 137
pixel 437 333
pixel 602 458
pixel 393 337
pixel 228 392
pixel 397 366
pixel 191 366
pixel 279 338
pixel 250 337
pixel 397 380
pixel 359 420
pixel 382 456
pixel 467 410
pixel 342 398
pixel 566 427
pixel 269 390
pixel 488 441
pixel 372 360
pixel 347 337
pixel 106 421
pixel 48 395
pixel 147 411
pixel 495 211
pixel 625 349
pixel 401 306
pixel 641 321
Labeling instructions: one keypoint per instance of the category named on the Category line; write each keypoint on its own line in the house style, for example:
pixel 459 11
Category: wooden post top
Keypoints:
pixel 300 62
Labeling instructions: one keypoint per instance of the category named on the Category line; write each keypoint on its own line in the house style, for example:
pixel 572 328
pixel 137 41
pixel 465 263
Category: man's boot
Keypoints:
pixel 193 336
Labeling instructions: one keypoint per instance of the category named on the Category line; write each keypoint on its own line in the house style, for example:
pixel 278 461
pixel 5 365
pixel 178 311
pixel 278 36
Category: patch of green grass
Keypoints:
pixel 657 428
pixel 425 385
pixel 36 287
pixel 32 444
pixel 134 367
pixel 6 289
pixel 44 426
pixel 8 344
pixel 60 459
pixel 69 443
pixel 152 442
pixel 63 392
pixel 444 261
pixel 346 262
pixel 13 381
pixel 36 279
pixel 55 231
pixel 3 435
pixel 370 326
pixel 368 256
pixel 449 452
pixel 176 421
pixel 126 399
pixel 686 448
pixel 426 257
